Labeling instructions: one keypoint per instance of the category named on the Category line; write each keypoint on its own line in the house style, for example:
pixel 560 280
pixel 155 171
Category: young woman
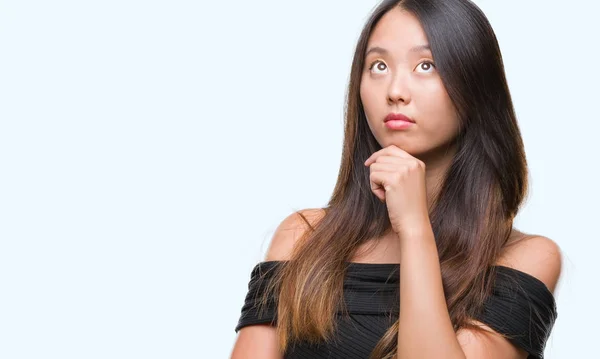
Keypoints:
pixel 415 255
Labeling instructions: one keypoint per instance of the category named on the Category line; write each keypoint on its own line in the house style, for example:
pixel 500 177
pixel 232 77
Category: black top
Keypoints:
pixel 520 306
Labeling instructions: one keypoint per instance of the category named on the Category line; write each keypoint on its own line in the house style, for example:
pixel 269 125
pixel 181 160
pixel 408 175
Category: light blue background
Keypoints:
pixel 148 150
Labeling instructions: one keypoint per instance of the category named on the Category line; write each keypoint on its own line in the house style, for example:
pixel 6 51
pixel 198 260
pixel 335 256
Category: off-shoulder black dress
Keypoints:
pixel 520 306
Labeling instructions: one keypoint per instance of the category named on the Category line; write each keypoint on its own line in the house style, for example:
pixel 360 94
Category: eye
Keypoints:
pixel 427 66
pixel 379 65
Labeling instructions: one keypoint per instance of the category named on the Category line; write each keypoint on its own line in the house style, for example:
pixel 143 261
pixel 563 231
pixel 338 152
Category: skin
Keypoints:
pixel 405 174
pixel 406 82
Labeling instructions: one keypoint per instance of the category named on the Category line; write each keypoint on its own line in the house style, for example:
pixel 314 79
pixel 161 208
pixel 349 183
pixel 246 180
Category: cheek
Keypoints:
pixel 437 108
pixel 364 94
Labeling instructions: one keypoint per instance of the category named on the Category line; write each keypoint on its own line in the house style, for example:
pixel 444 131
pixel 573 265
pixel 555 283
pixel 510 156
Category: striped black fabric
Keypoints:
pixel 521 306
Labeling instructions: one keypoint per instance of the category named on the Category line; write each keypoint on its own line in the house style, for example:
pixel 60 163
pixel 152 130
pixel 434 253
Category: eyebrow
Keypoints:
pixel 415 49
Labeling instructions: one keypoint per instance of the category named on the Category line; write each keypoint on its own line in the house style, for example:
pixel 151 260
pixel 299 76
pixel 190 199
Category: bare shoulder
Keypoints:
pixel 536 255
pixel 260 340
pixel 290 230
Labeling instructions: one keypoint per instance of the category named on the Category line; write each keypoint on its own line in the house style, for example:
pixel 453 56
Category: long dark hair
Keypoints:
pixel 473 213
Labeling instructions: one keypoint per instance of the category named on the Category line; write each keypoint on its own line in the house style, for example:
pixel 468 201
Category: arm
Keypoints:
pixel 260 341
pixel 256 341
pixel 425 327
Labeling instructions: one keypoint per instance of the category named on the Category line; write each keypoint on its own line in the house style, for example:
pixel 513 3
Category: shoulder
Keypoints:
pixel 540 257
pixel 536 255
pixel 290 230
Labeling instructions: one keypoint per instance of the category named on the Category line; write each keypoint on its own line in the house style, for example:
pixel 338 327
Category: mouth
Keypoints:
pixel 398 121
pixel 398 117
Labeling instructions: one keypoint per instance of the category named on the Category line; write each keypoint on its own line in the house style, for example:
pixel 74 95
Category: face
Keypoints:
pixel 400 77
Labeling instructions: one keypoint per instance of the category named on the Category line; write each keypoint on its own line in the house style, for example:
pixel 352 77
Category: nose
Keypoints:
pixel 398 91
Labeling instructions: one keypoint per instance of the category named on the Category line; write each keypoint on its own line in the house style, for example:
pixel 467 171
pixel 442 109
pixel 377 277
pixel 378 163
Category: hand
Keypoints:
pixel 398 179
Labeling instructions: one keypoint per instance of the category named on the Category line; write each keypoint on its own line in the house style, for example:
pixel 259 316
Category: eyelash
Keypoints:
pixel 423 62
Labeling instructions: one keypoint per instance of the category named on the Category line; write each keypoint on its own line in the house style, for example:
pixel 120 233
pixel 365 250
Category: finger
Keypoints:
pixel 397 151
pixel 383 167
pixel 379 182
pixel 373 156
pixel 379 193
pixel 391 150
pixel 389 159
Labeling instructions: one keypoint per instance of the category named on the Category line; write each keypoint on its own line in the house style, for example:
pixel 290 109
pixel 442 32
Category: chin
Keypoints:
pixel 403 145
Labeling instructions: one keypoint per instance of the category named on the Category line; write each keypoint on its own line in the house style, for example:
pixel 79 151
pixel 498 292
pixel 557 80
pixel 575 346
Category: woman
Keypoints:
pixel 415 255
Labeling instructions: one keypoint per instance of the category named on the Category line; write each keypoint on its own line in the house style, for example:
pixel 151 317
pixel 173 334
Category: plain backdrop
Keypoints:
pixel 149 149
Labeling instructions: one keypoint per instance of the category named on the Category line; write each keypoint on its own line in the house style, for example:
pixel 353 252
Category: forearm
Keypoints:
pixel 425 327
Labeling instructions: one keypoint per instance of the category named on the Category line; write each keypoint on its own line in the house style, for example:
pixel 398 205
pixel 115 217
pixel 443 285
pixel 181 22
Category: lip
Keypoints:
pixel 398 117
pixel 397 121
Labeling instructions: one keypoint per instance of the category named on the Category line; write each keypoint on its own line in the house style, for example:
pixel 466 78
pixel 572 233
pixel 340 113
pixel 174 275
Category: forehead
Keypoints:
pixel 398 31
